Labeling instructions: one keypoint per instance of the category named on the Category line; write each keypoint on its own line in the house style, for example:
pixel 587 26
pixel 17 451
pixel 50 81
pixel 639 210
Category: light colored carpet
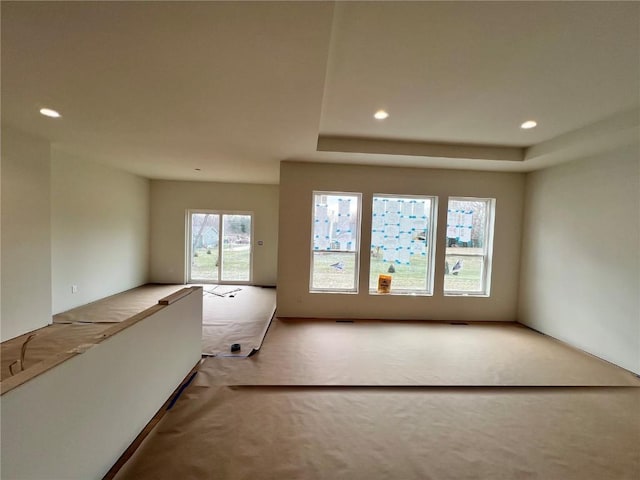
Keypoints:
pixel 269 433
pixel 321 352
pixel 235 314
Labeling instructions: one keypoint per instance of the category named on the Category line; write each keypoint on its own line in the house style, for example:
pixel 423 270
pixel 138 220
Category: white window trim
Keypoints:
pixel 433 213
pixel 353 290
pixel 187 269
pixel 487 264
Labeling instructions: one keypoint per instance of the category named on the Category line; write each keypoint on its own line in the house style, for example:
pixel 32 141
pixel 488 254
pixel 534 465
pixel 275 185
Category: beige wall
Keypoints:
pixel 171 199
pixel 100 231
pixel 579 277
pixel 26 237
pixel 298 180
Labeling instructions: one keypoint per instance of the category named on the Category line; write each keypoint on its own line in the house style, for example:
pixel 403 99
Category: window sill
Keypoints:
pixel 401 294
pixel 333 292
pixel 475 295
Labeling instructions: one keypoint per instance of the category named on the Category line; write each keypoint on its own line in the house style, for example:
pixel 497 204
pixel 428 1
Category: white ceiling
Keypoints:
pixel 162 88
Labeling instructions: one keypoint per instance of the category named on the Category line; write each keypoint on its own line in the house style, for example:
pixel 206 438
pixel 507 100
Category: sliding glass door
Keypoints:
pixel 219 247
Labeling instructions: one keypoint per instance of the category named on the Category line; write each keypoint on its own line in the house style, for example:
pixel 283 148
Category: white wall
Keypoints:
pixel 580 264
pixel 76 419
pixel 100 230
pixel 298 180
pixel 169 203
pixel 26 238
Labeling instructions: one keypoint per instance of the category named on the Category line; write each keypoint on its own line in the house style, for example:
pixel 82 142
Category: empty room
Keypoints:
pixel 320 240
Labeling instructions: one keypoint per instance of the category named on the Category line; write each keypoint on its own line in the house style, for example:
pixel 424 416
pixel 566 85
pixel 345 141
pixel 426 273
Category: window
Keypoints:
pixel 335 242
pixel 219 247
pixel 469 246
pixel 402 238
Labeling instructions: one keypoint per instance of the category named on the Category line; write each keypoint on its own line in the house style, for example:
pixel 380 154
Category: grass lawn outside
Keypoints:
pixel 334 270
pixel 469 279
pixel 412 277
pixel 236 264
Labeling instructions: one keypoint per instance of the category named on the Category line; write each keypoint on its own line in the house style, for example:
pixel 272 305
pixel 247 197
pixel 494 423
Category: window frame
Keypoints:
pixel 356 252
pixel 487 254
pixel 431 247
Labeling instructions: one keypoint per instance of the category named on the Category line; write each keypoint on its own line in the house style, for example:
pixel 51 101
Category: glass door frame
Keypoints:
pixel 188 247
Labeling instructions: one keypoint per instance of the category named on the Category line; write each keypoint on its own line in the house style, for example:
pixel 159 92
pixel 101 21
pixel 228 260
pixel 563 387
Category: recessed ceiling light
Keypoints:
pixel 47 112
pixel 528 124
pixel 380 115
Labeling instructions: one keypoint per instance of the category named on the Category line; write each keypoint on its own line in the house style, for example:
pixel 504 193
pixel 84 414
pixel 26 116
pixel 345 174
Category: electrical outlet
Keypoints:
pixel 74 288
